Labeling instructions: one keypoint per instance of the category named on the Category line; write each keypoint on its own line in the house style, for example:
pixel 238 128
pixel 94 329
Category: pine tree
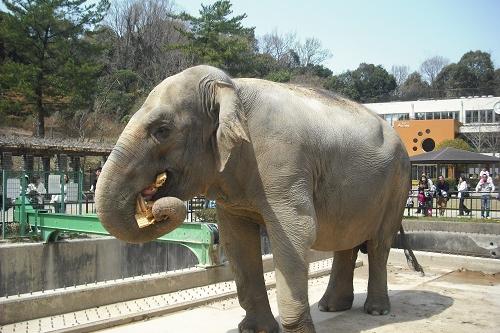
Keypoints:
pixel 217 39
pixel 49 55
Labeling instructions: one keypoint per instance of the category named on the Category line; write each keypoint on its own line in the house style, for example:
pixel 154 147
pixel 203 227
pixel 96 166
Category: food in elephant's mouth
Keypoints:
pixel 144 209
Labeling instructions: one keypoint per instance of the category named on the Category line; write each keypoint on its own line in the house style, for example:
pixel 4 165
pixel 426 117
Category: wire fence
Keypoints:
pixel 69 192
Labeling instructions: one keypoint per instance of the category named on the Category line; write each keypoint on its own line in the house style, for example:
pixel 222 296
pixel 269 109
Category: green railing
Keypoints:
pixel 201 238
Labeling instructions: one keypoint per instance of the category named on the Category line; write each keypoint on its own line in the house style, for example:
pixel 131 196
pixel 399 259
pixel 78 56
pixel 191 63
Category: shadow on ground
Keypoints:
pixel 407 306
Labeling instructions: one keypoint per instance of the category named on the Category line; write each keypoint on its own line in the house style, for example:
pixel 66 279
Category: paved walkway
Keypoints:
pixel 445 300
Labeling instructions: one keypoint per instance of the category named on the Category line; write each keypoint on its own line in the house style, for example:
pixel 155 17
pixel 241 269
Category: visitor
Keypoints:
pixel 424 197
pixel 463 192
pixel 94 183
pixel 485 186
pixel 35 191
pixel 409 202
pixel 442 193
pixel 484 171
pixel 57 199
pixel 430 184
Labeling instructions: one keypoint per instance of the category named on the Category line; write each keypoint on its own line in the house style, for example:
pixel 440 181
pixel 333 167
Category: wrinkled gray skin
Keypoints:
pixel 320 172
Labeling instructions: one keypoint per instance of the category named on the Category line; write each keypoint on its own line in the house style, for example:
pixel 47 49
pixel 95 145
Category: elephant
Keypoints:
pixel 317 170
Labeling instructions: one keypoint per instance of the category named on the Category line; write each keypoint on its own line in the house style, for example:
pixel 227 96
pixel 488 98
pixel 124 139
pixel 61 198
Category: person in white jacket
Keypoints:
pixel 485 186
pixel 462 194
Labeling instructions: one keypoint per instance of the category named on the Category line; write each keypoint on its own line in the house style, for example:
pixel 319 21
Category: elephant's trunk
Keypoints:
pixel 118 186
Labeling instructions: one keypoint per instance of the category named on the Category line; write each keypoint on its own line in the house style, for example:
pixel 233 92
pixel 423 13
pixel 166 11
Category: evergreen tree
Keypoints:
pixel 472 75
pixel 49 63
pixel 217 39
pixel 367 84
pixel 454 143
pixel 414 87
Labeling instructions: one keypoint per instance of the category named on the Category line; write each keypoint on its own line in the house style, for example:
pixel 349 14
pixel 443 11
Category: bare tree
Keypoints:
pixel 483 142
pixel 431 67
pixel 311 52
pixel 144 30
pixel 279 46
pixel 400 73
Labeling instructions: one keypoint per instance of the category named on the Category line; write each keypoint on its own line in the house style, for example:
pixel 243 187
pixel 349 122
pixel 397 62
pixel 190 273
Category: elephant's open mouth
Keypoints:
pixel 149 211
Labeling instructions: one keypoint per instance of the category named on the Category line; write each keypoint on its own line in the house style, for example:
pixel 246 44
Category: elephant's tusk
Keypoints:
pixel 144 209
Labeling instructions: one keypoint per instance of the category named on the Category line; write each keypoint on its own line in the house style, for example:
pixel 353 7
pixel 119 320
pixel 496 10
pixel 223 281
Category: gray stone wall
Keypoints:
pixel 27 268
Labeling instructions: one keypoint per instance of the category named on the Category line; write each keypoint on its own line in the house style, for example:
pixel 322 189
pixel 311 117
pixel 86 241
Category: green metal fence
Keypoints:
pixel 68 192
pixel 58 192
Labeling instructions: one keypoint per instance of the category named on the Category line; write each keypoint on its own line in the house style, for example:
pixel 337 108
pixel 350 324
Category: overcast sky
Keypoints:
pixel 386 32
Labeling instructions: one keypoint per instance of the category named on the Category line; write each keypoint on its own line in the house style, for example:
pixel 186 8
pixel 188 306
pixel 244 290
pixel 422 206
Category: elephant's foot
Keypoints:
pixel 259 324
pixel 379 305
pixel 305 326
pixel 332 302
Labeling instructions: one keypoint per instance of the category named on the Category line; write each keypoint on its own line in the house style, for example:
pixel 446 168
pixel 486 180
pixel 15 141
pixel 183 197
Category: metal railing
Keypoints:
pixel 472 206
pixel 59 192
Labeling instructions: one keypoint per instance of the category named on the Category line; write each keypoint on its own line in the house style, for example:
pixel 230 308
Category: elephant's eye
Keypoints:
pixel 161 133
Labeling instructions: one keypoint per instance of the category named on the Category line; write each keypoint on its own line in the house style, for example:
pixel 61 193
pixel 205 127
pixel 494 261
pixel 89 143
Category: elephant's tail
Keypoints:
pixel 410 257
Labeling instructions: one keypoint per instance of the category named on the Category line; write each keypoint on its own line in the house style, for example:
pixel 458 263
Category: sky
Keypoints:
pixel 382 32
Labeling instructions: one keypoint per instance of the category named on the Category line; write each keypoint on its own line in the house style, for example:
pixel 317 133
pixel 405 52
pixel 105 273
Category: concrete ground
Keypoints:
pixel 445 300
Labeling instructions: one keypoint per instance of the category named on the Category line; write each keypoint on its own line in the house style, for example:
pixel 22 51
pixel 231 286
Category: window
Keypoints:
pixel 481 116
pixel 419 116
pixel 391 118
pixel 403 116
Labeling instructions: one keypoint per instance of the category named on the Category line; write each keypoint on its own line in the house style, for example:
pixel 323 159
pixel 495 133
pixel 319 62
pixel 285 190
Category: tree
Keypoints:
pixel 478 64
pixel 414 88
pixel 472 75
pixel 367 84
pixel 431 67
pixel 311 52
pixel 454 143
pixel 46 43
pixel 482 141
pixel 280 47
pixel 217 39
pixel 400 73
pixel 345 85
pixel 497 82
pixel 140 35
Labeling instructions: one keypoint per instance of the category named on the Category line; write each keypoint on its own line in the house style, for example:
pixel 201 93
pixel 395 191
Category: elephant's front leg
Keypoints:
pixel 240 237
pixel 292 231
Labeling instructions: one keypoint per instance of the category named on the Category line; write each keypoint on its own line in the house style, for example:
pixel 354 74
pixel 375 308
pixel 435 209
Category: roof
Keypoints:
pixel 19 145
pixel 453 155
pixel 434 105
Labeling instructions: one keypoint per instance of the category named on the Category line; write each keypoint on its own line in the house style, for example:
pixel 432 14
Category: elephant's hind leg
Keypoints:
pixel 339 294
pixel 377 300
pixel 240 237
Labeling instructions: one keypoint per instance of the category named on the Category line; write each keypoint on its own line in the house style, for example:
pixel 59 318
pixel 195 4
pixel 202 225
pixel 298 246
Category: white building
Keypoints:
pixel 479 117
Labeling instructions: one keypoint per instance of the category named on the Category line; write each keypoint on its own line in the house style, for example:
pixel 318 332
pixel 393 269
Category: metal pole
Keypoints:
pixel 80 190
pixel 22 220
pixel 63 182
pixel 4 197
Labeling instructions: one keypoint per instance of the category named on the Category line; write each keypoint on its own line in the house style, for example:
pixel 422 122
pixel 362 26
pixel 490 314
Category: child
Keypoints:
pixel 421 201
pixel 409 202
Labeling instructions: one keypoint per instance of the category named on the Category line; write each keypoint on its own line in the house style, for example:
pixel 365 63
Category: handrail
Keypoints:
pixel 200 238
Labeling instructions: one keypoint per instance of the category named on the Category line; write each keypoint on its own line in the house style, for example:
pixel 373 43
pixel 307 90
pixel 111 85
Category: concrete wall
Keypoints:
pixel 33 267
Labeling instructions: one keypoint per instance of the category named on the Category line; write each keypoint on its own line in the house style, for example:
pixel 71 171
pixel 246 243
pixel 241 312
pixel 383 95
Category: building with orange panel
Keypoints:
pixel 422 136
pixel 423 124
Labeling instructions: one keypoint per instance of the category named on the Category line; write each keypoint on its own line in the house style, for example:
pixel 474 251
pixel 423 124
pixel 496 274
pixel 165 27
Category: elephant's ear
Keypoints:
pixel 232 128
